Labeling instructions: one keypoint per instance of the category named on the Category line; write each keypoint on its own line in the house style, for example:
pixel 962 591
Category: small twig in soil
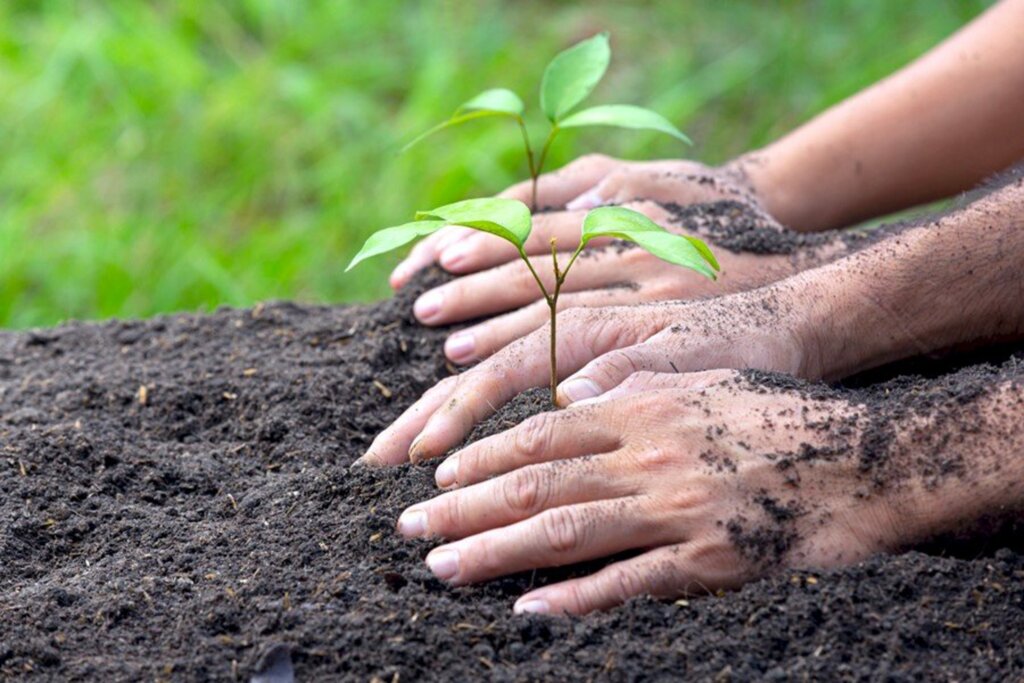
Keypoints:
pixel 385 392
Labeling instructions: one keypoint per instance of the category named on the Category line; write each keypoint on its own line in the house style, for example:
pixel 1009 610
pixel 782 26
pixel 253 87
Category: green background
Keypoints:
pixel 164 156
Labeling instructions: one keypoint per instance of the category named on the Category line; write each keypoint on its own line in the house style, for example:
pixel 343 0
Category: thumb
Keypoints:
pixel 640 382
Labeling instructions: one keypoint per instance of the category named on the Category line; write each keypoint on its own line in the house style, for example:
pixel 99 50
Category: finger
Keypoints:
pixel 391 446
pixel 479 342
pixel 665 572
pixel 680 183
pixel 611 369
pixel 640 382
pixel 507 287
pixel 555 537
pixel 584 334
pixel 553 435
pixel 512 498
pixel 425 253
pixel 556 188
pixel 483 250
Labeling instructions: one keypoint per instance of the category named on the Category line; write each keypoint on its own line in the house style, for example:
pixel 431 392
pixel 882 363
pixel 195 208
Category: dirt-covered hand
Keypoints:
pixel 616 275
pixel 772 328
pixel 567 194
pixel 685 468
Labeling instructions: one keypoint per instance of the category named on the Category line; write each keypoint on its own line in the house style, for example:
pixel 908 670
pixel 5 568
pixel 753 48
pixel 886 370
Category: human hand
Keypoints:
pixel 684 467
pixel 508 295
pixel 587 182
pixel 772 328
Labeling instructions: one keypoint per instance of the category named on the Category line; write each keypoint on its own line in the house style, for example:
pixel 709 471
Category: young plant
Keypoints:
pixel 567 81
pixel 511 220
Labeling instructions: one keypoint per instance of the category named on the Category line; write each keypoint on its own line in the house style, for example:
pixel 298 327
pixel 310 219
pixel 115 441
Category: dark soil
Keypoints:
pixel 208 526
pixel 737 227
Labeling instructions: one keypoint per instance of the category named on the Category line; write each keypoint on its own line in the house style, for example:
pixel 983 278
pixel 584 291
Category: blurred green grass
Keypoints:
pixel 177 155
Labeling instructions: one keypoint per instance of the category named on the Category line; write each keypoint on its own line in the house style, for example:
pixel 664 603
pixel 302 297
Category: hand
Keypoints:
pixel 772 328
pixel 585 183
pixel 612 276
pixel 685 467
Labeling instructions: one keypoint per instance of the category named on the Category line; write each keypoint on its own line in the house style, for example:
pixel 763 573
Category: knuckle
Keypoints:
pixel 626 582
pixel 592 159
pixel 614 182
pixel 524 490
pixel 620 363
pixel 691 498
pixel 447 384
pixel 654 456
pixel 534 435
pixel 518 281
pixel 563 530
pixel 448 515
pixel 660 290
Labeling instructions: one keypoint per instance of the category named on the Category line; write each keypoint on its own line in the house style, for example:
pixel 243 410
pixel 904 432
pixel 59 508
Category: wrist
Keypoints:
pixel 965 476
pixel 769 174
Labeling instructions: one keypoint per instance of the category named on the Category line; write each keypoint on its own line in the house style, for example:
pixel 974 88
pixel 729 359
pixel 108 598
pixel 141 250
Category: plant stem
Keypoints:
pixel 543 289
pixel 529 161
pixel 535 170
pixel 553 307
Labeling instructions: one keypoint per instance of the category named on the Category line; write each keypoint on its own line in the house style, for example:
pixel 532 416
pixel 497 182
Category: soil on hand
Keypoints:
pixel 177 504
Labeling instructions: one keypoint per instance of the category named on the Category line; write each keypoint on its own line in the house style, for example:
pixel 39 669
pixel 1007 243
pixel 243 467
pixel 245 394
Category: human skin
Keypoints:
pixel 635 470
pixel 684 466
pixel 939 285
pixel 902 142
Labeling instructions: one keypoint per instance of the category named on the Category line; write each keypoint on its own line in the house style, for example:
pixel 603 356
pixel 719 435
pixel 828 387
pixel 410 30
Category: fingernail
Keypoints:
pixel 531 606
pixel 453 255
pixel 428 305
pixel 412 523
pixel 580 389
pixel 446 472
pixel 587 200
pixel 368 459
pixel 414 450
pixel 399 275
pixel 443 563
pixel 460 346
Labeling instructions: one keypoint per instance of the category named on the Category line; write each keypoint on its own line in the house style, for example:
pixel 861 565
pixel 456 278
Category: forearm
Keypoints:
pixel 950 283
pixel 933 129
pixel 962 466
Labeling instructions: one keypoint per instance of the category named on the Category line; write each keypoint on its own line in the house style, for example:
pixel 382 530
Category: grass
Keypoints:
pixel 179 155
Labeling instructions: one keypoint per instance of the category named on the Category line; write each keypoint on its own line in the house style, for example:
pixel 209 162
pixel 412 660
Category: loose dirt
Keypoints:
pixel 177 504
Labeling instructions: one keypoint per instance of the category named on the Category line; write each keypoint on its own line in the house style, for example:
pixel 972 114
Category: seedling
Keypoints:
pixel 567 81
pixel 510 220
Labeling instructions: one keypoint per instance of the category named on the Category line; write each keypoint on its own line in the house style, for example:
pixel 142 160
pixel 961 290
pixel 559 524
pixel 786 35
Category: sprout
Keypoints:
pixel 510 220
pixel 567 81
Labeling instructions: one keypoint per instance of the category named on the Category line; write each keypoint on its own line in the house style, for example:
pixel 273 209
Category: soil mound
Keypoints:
pixel 176 504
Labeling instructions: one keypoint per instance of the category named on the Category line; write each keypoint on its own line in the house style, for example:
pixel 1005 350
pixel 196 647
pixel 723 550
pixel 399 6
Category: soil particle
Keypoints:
pixel 194 535
pixel 740 228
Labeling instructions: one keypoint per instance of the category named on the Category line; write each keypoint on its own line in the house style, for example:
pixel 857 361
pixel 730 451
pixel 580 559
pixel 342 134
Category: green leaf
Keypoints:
pixel 506 218
pixel 497 100
pixel 572 75
pixel 387 239
pixel 704 250
pixel 615 221
pixel 623 116
pixel 453 121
